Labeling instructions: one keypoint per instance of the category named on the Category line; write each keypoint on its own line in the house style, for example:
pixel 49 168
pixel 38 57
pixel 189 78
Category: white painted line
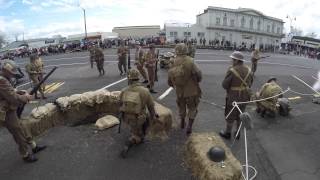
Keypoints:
pixel 290 65
pixel 305 84
pixel 112 84
pixel 212 60
pixel 165 93
pixel 315 78
pixel 23 84
pixel 58 65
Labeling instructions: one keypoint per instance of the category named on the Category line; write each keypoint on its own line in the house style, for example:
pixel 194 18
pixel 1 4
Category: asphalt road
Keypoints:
pixel 282 148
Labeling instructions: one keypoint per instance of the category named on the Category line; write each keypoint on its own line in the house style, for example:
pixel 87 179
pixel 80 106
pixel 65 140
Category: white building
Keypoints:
pixel 237 26
pixel 137 31
pixel 93 36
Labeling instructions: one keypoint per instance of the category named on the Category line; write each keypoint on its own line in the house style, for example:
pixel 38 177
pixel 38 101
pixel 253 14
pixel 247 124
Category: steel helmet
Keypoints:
pixel 10 66
pixel 216 154
pixel 133 74
pixel 237 55
pixel 181 49
pixel 272 79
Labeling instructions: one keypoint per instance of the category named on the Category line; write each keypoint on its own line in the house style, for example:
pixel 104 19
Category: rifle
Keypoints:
pixel 129 59
pixel 156 71
pixel 34 90
pixel 120 121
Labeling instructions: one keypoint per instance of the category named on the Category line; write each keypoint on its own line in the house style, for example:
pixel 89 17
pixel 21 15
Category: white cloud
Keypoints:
pixel 5 4
pixel 103 15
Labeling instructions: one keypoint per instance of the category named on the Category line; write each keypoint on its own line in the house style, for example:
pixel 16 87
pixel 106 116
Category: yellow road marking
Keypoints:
pixel 47 87
pixel 294 98
pixel 55 87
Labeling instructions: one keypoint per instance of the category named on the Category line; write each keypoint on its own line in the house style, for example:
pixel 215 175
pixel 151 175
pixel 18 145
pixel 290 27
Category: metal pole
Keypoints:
pixel 85 22
pixel 246 149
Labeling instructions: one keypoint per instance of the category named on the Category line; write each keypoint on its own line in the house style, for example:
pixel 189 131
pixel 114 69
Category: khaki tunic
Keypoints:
pixel 188 96
pixel 139 62
pixel 237 90
pixel 122 55
pixel 270 104
pixel 136 121
pixel 9 101
pixel 150 62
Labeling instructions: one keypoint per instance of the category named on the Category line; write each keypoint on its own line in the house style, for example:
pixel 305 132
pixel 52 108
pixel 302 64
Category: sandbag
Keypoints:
pixel 107 122
pixel 202 167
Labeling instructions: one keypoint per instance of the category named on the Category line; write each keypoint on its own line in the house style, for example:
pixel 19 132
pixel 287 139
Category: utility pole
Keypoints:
pixel 85 23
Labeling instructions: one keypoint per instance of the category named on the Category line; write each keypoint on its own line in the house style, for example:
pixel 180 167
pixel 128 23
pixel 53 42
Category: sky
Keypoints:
pixel 45 18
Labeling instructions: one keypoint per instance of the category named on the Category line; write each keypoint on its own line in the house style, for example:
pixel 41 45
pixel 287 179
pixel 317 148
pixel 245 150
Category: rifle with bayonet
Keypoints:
pixel 34 90
pixel 156 71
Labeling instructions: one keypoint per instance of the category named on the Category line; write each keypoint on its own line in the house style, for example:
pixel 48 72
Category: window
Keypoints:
pixel 217 21
pixel 200 34
pixel 259 25
pixel 268 28
pixel 187 34
pixel 243 22
pixel 272 27
pixel 232 22
pixel 224 20
pixel 278 30
pixel 251 23
pixel 173 34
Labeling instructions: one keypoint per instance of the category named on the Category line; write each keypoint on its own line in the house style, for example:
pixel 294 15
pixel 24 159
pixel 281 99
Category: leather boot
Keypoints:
pixel 227 133
pixel 30 158
pixel 126 149
pixel 182 123
pixel 189 128
pixel 38 148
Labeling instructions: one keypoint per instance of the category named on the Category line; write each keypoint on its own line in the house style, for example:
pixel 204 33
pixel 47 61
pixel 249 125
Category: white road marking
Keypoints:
pixel 23 84
pixel 315 78
pixel 165 93
pixel 112 84
pixel 290 65
pixel 305 84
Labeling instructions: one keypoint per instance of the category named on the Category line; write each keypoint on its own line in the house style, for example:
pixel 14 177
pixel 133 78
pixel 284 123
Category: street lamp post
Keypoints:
pixel 85 23
pixel 291 27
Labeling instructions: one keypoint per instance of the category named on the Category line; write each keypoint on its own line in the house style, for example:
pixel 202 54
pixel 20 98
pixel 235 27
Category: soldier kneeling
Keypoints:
pixel 269 106
pixel 135 100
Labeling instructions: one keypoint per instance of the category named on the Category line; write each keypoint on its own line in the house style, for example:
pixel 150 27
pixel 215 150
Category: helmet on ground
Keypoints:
pixel 272 79
pixel 181 49
pixel 237 55
pixel 216 154
pixel 284 106
pixel 10 66
pixel 133 74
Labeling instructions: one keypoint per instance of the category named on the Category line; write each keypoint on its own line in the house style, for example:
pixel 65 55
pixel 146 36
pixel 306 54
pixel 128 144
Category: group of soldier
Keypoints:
pixel 137 105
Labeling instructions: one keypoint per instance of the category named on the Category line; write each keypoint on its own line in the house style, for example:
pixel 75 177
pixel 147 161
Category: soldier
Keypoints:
pixel 139 62
pixel 151 60
pixel 34 71
pixel 255 57
pixel 191 50
pixel 91 51
pixel 135 101
pixel 40 66
pixel 96 54
pixel 184 76
pixel 122 55
pixel 269 89
pixel 237 84
pixel 9 101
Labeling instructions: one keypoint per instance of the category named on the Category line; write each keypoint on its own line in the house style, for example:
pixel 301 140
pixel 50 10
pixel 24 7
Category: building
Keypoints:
pixel 137 31
pixel 305 41
pixel 240 26
pixel 92 36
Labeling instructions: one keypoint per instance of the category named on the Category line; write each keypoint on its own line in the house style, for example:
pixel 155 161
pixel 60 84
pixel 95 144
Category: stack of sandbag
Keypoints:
pixel 106 122
pixel 160 127
pixel 202 167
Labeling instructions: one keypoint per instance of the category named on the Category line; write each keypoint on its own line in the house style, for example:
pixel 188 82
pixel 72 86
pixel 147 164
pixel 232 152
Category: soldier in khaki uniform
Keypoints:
pixel 151 61
pixel 10 99
pixel 122 55
pixel 255 57
pixel 35 71
pixel 237 84
pixel 184 76
pixel 269 89
pixel 191 50
pixel 135 101
pixel 139 62
pixel 96 55
pixel 40 68
pixel 91 51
